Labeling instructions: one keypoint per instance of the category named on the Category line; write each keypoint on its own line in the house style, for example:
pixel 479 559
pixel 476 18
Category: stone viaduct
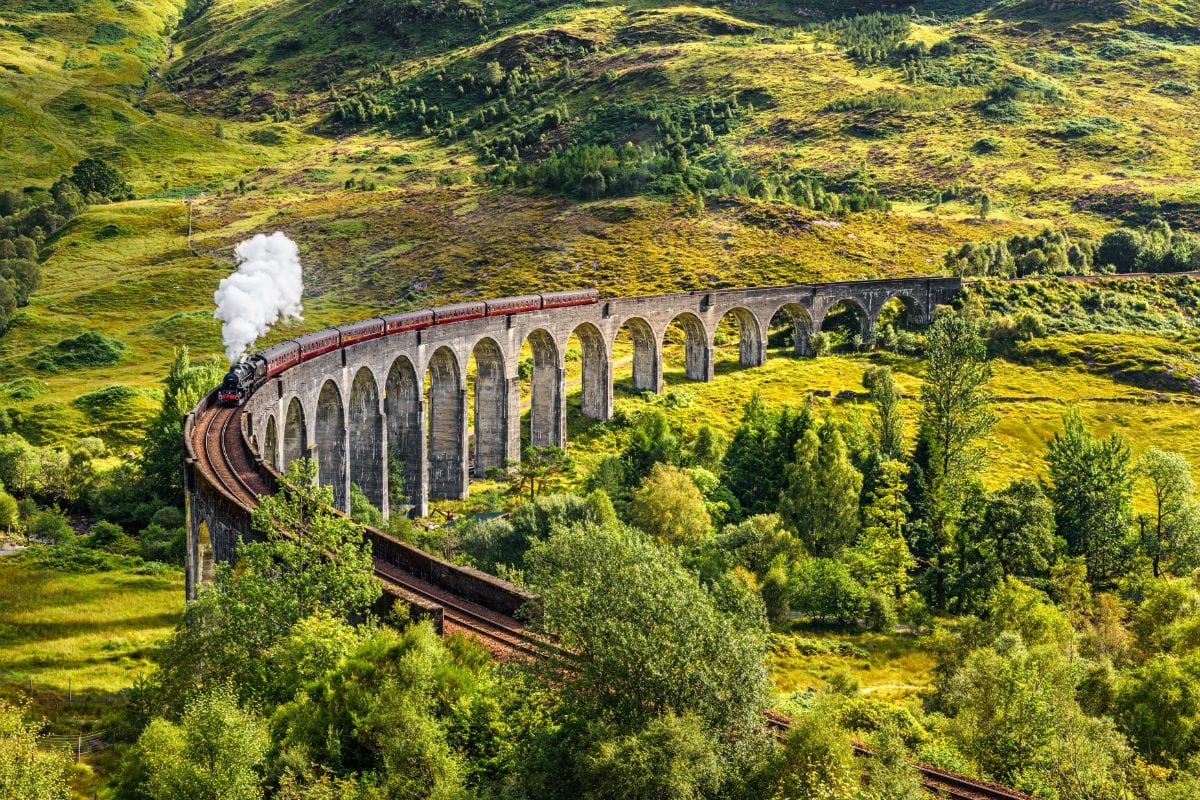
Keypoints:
pixel 403 401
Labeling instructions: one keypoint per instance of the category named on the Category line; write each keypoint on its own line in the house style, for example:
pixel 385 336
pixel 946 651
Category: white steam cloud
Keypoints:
pixel 265 289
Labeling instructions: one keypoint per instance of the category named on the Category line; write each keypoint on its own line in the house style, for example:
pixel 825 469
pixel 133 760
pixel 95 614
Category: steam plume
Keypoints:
pixel 265 289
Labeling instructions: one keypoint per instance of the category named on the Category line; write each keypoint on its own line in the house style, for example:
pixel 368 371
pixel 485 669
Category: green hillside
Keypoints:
pixel 429 150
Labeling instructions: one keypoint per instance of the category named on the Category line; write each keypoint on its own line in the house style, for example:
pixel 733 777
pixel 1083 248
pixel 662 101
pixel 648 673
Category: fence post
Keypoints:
pixel 78 747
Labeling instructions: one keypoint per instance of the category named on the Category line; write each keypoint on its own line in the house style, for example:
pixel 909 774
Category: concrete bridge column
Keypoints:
pixel 332 445
pixel 512 419
pixel 366 439
pixel 548 393
pixel 416 481
pixel 596 389
pixel 404 419
pixel 491 407
pixel 448 435
pixel 697 348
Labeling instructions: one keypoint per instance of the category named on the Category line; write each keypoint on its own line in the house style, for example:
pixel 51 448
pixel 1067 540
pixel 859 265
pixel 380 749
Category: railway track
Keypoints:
pixel 220 450
pixel 938 782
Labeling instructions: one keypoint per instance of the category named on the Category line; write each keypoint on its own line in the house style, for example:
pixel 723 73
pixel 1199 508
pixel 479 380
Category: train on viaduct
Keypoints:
pixel 401 401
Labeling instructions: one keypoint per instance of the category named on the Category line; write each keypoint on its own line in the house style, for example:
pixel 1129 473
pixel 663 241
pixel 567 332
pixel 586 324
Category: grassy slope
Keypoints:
pixel 154 101
pixel 94 628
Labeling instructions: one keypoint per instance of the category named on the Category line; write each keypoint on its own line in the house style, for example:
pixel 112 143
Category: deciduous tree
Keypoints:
pixel 1171 535
pixel 668 506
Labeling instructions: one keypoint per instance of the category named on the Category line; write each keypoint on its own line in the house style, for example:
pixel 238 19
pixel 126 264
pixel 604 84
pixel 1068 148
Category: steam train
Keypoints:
pixel 250 373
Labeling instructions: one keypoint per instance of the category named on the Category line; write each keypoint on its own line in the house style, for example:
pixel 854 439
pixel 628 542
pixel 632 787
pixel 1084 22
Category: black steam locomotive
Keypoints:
pixel 247 375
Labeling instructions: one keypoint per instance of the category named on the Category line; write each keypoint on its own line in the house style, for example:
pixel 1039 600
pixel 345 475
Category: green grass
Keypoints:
pixel 91 632
pixel 887 666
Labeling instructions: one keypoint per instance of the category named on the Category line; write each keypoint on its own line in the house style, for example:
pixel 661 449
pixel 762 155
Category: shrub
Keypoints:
pixel 880 615
pixel 1176 88
pixel 88 349
pixel 51 526
pixel 824 589
pixel 98 177
pixel 166 545
pixel 1080 127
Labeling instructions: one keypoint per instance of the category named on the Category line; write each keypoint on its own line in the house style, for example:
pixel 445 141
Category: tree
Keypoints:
pixel 956 415
pixel 652 441
pixel 889 422
pixel 668 506
pixel 762 447
pixel 816 760
pixel 1158 705
pixel 541 469
pixel 9 513
pixel 387 708
pixel 956 410
pixel 985 206
pixel 305 560
pixel 1172 533
pixel 1119 249
pixel 757 542
pixel 96 176
pixel 672 758
pixel 825 590
pixel 184 385
pixel 1018 525
pixel 645 637
pixel 1091 488
pixel 821 499
pixel 215 752
pixel 881 558
pixel 20 467
pixel 26 772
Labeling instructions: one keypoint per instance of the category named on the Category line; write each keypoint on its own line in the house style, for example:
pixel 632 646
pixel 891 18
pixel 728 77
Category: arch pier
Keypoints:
pixel 411 401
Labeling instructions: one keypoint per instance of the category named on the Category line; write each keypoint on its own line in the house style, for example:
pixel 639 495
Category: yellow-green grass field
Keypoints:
pixel 888 666
pixel 90 633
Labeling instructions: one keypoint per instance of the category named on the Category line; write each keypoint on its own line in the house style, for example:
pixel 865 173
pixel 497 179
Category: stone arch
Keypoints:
pixel 270 452
pixel 295 434
pixel 752 348
pixel 547 409
pixel 331 444
pixel 595 372
pixel 835 313
pixel 801 326
pixel 447 443
pixel 698 362
pixel 491 406
pixel 366 438
pixel 647 355
pixel 912 313
pixel 403 410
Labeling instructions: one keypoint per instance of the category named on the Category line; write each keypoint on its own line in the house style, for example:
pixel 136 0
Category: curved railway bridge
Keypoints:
pixel 356 408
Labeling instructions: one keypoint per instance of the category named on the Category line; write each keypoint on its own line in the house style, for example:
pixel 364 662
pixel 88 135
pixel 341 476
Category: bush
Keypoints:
pixel 880 615
pixel 88 349
pixel 824 589
pixel 163 544
pixel 109 536
pixel 51 526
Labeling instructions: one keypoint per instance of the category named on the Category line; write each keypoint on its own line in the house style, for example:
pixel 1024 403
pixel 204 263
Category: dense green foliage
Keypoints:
pixel 1157 247
pixel 27 773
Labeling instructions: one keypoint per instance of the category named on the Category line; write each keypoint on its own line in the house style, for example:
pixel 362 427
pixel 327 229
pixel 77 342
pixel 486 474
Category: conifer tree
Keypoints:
pixel 881 557
pixel 821 499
